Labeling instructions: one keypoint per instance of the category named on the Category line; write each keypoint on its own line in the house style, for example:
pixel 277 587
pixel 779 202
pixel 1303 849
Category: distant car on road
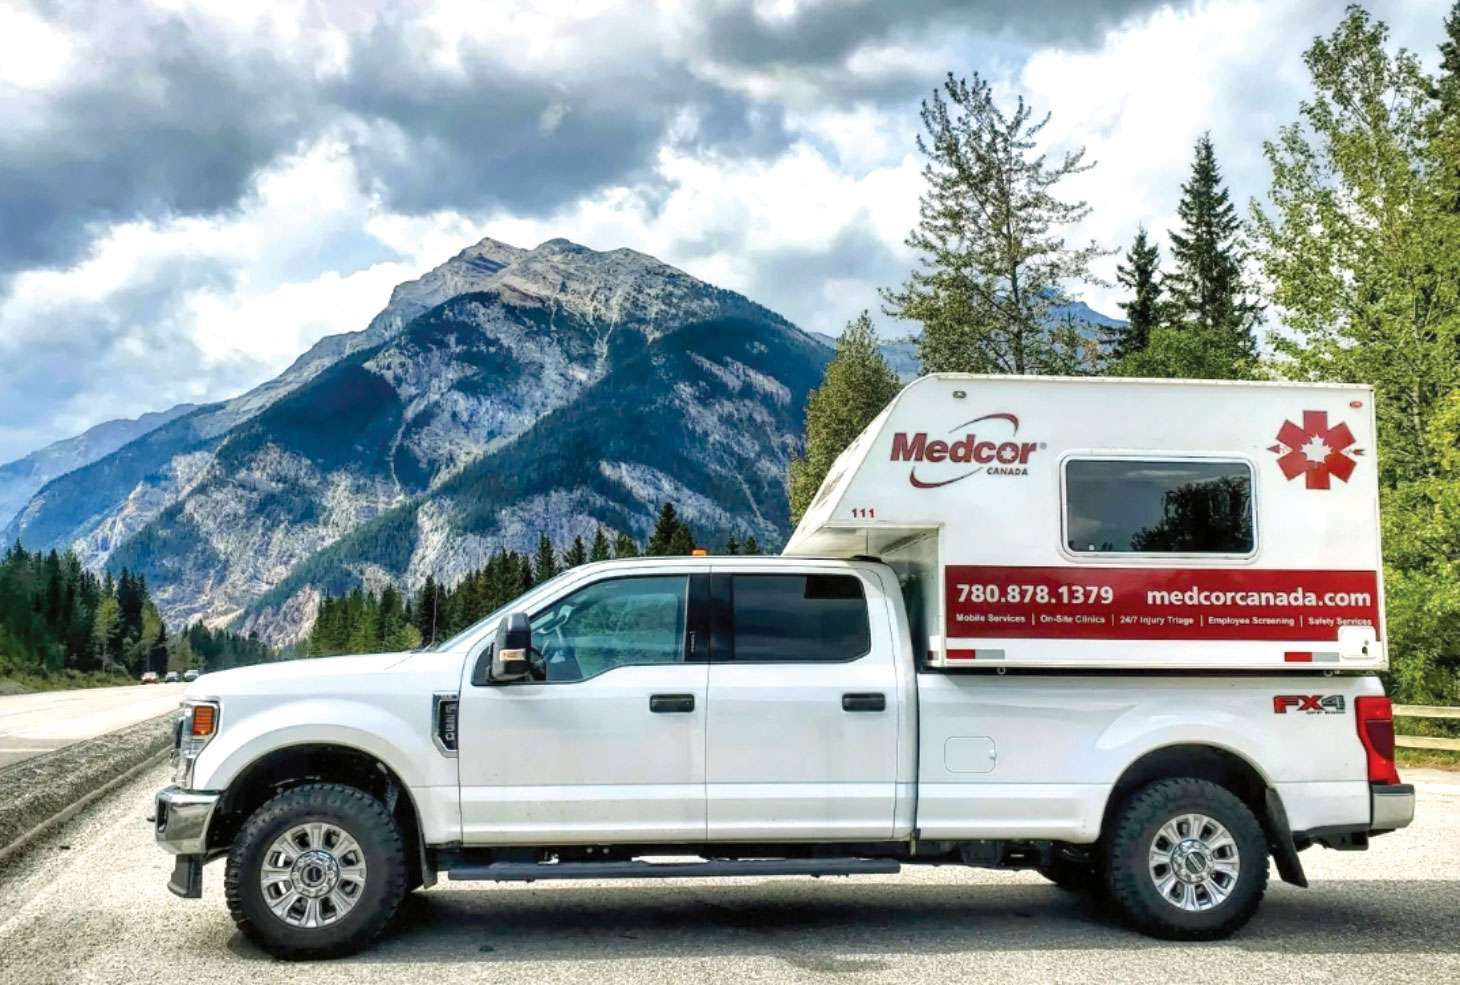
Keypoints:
pixel 172 677
pixel 150 677
pixel 191 675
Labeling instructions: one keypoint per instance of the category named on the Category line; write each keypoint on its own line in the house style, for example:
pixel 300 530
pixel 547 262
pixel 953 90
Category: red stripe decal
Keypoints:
pixel 962 654
pixel 1076 602
pixel 1298 657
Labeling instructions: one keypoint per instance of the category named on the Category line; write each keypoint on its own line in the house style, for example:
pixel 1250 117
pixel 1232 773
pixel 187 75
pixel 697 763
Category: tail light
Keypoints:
pixel 1375 717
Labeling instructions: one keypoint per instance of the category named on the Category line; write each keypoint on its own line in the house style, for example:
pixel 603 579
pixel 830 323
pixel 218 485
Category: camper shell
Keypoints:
pixel 1065 522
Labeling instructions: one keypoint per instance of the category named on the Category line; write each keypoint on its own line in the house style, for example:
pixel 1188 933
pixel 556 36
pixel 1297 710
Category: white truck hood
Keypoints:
pixel 332 673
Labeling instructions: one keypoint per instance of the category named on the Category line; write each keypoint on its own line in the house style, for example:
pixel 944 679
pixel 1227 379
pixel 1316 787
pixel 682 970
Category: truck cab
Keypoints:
pixel 937 671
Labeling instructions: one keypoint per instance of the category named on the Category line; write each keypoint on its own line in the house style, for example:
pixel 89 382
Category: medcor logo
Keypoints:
pixel 1004 456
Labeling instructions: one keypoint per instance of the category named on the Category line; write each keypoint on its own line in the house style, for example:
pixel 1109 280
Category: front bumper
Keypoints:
pixel 183 816
pixel 1391 807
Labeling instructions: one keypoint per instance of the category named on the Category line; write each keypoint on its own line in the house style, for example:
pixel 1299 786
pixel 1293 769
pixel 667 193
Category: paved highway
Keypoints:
pixel 97 911
pixel 31 724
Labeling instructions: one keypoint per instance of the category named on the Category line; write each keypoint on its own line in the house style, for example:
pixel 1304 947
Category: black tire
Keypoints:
pixel 351 810
pixel 1074 877
pixel 1132 885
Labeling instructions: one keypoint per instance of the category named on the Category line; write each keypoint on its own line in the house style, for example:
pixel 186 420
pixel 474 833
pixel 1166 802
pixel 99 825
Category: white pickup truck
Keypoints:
pixel 1121 632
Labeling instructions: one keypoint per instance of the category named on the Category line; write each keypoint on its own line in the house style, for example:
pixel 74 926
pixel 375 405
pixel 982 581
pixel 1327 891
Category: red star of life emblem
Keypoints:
pixel 1315 451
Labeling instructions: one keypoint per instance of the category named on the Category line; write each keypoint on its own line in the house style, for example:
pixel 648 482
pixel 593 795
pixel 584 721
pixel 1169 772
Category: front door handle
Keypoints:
pixel 875 701
pixel 669 704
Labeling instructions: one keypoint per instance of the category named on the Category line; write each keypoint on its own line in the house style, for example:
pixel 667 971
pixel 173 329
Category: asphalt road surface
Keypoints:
pixel 31 724
pixel 97 911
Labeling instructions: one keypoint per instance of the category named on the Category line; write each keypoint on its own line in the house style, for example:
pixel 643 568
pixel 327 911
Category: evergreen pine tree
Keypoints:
pixel 426 609
pixel 682 542
pixel 624 546
pixel 1449 81
pixel 545 565
pixel 600 549
pixel 994 264
pixel 1140 276
pixel 857 385
pixel 1208 294
pixel 576 554
pixel 666 526
pixel 752 546
pixel 732 546
pixel 523 566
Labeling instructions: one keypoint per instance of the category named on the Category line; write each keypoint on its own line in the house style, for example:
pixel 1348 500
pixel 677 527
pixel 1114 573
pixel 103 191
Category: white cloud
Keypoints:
pixel 201 305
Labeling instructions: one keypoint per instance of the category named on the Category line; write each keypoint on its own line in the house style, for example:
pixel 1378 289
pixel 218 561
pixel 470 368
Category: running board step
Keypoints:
pixel 532 871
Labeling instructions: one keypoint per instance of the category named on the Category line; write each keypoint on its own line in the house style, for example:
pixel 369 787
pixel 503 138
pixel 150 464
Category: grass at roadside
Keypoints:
pixel 14 683
pixel 1438 759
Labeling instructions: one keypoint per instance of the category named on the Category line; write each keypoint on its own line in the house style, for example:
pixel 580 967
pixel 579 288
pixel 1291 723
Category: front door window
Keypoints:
pixel 615 623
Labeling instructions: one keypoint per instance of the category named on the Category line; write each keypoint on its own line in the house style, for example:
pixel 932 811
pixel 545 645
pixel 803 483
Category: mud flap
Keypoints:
pixel 187 877
pixel 1280 841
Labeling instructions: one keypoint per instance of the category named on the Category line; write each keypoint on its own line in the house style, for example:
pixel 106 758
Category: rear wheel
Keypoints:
pixel 1186 860
pixel 316 872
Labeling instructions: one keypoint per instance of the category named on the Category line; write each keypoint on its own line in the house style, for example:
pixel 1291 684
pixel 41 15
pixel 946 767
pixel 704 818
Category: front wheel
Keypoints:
pixel 316 872
pixel 1186 860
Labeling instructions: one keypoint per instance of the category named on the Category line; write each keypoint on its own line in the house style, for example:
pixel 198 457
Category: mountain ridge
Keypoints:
pixel 504 393
pixel 25 476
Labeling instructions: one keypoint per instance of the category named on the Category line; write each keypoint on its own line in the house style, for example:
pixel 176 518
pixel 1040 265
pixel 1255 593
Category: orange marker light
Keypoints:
pixel 699 552
pixel 205 719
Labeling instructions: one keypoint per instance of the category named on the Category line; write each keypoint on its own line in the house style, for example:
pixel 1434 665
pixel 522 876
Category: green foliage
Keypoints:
pixel 600 551
pixel 1209 296
pixel 62 624
pixel 1361 243
pixel 624 546
pixel 1144 312
pixel 576 554
pixel 994 262
pixel 369 622
pixel 1421 520
pixel 857 385
pixel 671 536
pixel 545 564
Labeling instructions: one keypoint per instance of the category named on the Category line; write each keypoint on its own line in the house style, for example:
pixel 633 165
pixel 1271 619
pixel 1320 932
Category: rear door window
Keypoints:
pixel 799 618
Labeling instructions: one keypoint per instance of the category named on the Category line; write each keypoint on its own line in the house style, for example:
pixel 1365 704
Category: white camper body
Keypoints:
pixel 1097 523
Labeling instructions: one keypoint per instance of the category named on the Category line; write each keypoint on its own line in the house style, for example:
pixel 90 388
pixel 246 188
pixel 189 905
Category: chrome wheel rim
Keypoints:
pixel 313 874
pixel 1194 862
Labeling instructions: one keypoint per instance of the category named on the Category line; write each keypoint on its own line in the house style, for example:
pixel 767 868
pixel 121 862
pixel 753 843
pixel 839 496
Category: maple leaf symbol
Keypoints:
pixel 1315 451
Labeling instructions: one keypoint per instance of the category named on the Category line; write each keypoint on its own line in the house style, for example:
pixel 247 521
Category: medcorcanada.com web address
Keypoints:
pixel 1296 597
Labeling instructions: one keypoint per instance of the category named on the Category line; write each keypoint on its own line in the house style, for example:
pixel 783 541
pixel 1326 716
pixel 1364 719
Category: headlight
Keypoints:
pixel 197 724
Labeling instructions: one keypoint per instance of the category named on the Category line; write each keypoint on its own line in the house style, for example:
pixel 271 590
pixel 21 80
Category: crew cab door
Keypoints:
pixel 609 746
pixel 804 707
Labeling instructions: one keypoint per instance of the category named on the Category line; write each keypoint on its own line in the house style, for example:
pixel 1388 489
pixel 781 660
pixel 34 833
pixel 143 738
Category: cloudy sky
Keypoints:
pixel 192 194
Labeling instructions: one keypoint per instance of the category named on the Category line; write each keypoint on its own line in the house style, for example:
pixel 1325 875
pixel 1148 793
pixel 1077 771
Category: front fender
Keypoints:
pixel 402 744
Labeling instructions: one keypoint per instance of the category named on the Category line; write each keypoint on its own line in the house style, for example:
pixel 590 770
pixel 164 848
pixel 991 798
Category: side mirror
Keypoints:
pixel 510 660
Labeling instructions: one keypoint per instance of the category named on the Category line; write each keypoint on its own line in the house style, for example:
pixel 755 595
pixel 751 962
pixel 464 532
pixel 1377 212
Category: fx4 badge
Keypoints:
pixel 1312 704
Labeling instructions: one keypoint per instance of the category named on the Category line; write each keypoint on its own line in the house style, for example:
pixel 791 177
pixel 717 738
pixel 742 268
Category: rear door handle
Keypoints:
pixel 875 701
pixel 668 704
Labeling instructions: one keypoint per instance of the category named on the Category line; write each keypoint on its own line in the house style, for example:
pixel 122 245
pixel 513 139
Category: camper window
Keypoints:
pixel 1142 506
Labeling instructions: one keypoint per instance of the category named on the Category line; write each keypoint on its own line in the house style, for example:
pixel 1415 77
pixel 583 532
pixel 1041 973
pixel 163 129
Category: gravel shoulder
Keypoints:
pixel 43 786
pixel 99 911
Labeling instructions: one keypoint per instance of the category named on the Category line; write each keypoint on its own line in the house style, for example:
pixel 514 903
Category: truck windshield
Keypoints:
pixel 493 616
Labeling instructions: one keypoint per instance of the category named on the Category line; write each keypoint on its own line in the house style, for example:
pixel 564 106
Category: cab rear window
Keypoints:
pixel 814 618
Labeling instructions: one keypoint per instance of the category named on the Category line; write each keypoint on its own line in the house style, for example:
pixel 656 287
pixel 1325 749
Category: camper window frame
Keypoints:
pixel 1155 557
